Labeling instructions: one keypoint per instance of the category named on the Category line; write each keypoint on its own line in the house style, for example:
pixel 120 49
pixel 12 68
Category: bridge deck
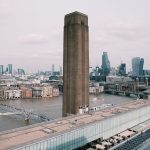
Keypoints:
pixel 13 138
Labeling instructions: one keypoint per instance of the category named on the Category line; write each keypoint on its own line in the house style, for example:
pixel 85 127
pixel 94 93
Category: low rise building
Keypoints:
pixel 26 92
pixel 36 92
pixel 12 94
pixel 96 89
pixel 55 92
pixel 47 91
pixel 1 93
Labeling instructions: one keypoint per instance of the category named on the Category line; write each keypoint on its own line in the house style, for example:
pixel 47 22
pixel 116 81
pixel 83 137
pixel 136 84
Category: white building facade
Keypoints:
pixel 12 94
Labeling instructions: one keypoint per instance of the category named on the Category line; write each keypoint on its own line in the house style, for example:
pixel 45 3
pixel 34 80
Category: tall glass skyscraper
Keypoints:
pixel 53 69
pixel 10 68
pixel 21 72
pixel 105 64
pixel 141 67
pixel 122 69
pixel 137 66
pixel 1 70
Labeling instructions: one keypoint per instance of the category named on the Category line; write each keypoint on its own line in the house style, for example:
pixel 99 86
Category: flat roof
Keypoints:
pixel 24 135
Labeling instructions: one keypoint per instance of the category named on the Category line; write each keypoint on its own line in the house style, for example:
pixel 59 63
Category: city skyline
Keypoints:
pixel 32 38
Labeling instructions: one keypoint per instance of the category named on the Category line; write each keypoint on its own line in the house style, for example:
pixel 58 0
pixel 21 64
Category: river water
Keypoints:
pixel 52 108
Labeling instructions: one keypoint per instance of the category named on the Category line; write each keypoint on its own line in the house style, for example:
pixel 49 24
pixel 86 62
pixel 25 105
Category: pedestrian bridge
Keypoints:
pixel 12 110
pixel 78 130
pixel 127 93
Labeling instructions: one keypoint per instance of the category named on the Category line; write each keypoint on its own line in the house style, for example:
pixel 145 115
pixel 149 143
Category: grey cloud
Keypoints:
pixel 119 35
pixel 33 38
pixel 129 32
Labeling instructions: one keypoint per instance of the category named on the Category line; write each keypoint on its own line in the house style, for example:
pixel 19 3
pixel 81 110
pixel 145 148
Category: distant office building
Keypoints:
pixel 122 69
pixel 60 70
pixel 141 67
pixel 54 78
pixel 9 68
pixel 47 73
pixel 146 72
pixel 6 71
pixel 96 75
pixel 75 63
pixel 56 73
pixel 113 71
pixel 105 64
pixel 1 70
pixel 21 72
pixel 137 66
pixel 53 68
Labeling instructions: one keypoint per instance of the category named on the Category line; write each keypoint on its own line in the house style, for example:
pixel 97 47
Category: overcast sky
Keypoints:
pixel 31 31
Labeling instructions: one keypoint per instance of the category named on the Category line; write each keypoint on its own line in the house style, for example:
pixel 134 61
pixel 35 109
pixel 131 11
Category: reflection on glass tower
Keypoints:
pixel 21 72
pixel 9 68
pixel 1 69
pixel 122 69
pixel 137 66
pixel 105 64
pixel 141 67
pixel 53 69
